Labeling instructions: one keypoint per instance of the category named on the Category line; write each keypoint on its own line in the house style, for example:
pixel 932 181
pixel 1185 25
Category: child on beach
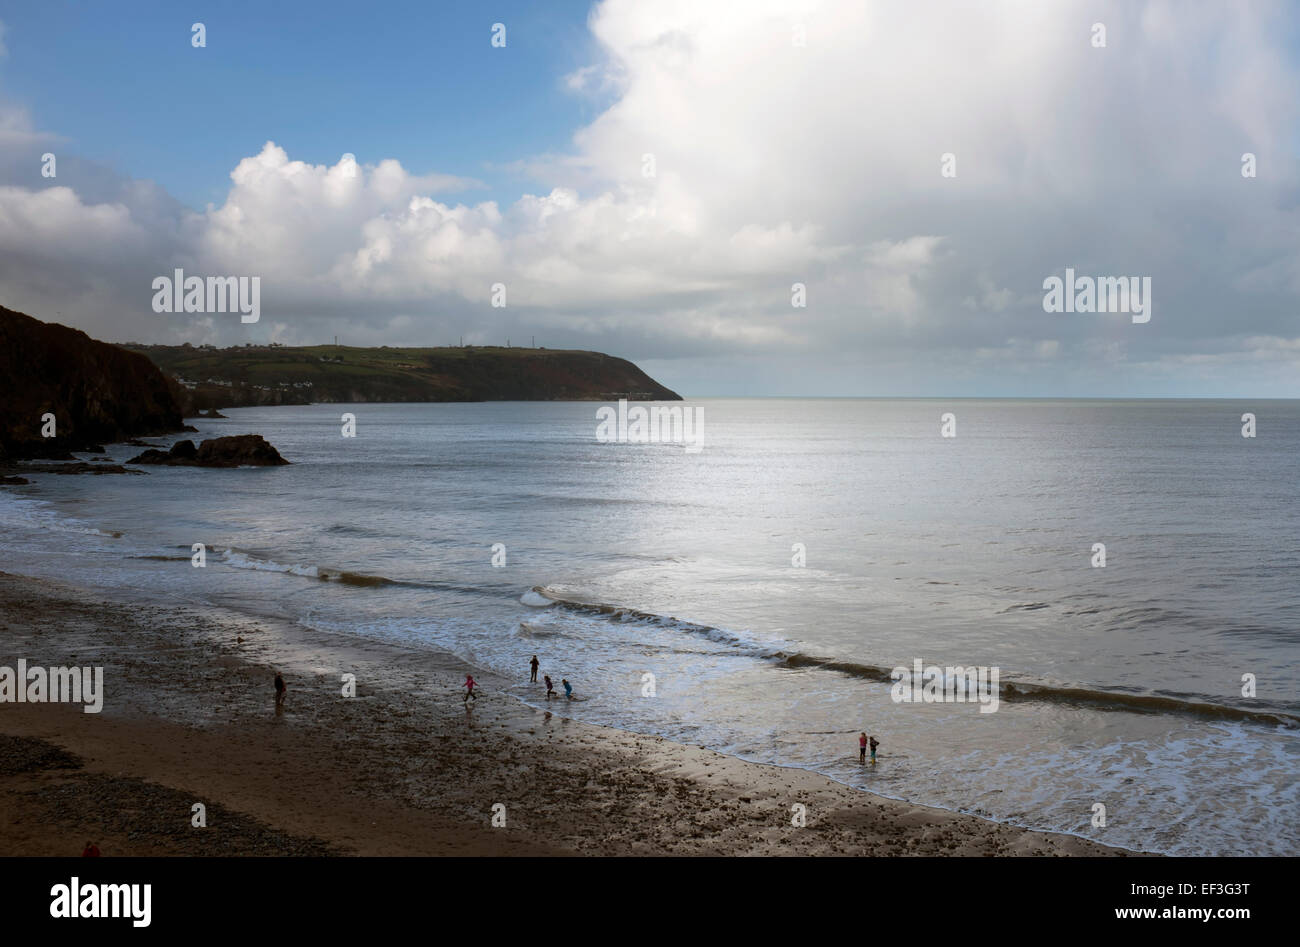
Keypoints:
pixel 568 688
pixel 862 747
pixel 550 688
pixel 469 689
pixel 533 664
pixel 279 690
pixel 874 743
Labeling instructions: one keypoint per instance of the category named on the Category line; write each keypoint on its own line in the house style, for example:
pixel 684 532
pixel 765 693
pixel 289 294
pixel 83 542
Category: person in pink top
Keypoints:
pixel 862 747
pixel 469 688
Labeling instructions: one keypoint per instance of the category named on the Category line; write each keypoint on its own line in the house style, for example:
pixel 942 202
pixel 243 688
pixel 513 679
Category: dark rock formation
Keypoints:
pixel 78 468
pixel 98 393
pixel 238 451
pixel 14 481
pixel 152 456
pixel 184 450
pixel 241 450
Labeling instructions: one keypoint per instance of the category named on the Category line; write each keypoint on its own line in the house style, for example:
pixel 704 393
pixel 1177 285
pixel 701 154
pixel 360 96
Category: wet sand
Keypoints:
pixel 402 768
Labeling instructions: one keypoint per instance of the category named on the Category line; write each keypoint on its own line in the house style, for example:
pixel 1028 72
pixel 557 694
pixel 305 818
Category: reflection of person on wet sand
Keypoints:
pixel 280 690
pixel 533 664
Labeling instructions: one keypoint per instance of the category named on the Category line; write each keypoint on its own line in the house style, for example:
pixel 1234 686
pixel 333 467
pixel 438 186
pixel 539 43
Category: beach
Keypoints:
pixel 401 768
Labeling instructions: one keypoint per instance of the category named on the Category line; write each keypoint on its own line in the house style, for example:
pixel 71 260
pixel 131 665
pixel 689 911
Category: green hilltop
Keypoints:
pixel 207 378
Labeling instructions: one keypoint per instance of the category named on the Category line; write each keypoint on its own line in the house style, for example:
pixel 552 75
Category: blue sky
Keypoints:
pixel 122 82
pixel 790 142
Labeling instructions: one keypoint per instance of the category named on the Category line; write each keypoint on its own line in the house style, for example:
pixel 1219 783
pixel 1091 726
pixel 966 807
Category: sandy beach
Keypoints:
pixel 402 768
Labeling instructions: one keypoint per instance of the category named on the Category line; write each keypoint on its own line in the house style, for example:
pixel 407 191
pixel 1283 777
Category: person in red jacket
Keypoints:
pixel 90 851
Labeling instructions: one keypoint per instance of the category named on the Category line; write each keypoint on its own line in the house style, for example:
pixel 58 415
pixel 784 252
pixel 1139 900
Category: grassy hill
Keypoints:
pixel 209 378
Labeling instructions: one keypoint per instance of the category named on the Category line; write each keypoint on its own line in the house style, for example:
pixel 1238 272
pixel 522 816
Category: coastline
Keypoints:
pixel 399 769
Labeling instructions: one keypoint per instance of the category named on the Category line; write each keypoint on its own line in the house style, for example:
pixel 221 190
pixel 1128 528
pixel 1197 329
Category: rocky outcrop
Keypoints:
pixel 241 450
pixel 98 393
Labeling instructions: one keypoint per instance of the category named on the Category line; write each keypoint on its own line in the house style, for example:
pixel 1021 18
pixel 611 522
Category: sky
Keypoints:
pixel 657 179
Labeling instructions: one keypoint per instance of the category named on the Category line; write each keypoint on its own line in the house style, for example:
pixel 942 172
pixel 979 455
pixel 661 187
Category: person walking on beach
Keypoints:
pixel 469 689
pixel 568 688
pixel 533 664
pixel 862 747
pixel 550 688
pixel 874 743
pixel 280 689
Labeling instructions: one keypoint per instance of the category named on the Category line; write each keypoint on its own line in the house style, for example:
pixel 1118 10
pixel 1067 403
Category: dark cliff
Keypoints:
pixel 98 393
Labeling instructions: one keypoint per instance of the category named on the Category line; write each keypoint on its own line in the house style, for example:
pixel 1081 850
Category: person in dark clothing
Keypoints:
pixel 550 688
pixel 533 664
pixel 280 689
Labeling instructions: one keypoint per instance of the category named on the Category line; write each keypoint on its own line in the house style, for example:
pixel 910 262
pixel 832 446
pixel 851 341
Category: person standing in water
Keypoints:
pixel 862 747
pixel 533 664
pixel 280 689
pixel 469 689
pixel 550 688
pixel 568 688
pixel 874 743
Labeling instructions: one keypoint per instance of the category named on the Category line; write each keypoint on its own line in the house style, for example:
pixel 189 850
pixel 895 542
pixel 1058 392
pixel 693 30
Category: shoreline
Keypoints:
pixel 402 768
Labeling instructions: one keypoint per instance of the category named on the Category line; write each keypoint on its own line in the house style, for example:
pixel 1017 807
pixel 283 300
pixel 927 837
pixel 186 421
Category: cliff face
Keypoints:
pixel 254 375
pixel 98 393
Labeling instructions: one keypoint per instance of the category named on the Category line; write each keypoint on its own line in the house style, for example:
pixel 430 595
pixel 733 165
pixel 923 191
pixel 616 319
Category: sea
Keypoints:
pixel 1127 569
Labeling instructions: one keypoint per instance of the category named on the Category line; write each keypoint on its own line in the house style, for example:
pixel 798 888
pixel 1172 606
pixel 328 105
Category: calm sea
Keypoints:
pixel 770 580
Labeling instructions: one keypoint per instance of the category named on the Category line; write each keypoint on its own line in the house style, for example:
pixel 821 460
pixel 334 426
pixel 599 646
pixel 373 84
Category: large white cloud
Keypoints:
pixel 776 163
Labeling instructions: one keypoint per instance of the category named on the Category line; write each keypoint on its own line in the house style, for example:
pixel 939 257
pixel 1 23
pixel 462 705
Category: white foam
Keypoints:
pixel 535 599
pixel 21 512
pixel 241 560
